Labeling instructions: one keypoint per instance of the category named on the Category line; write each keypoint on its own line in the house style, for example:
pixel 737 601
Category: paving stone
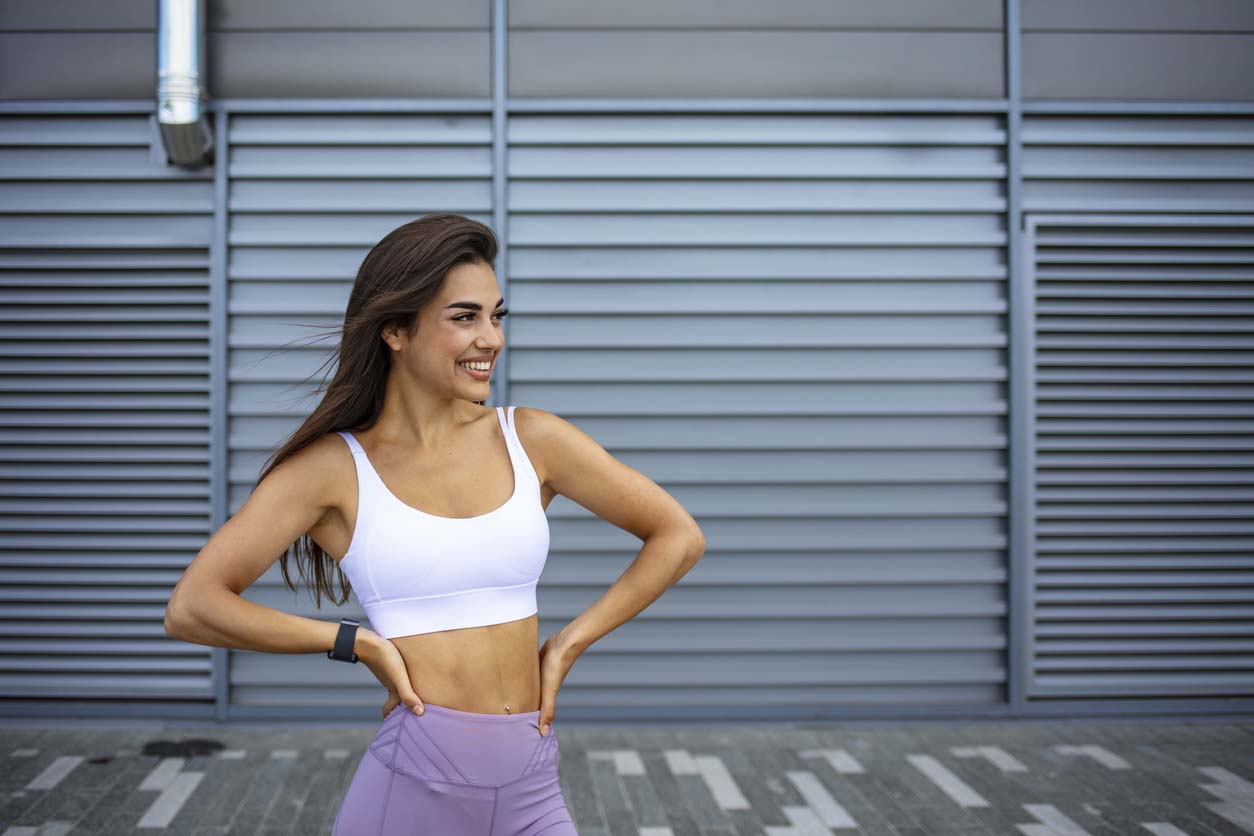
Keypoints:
pixel 262 794
pixel 40 806
pixel 322 798
pixel 621 822
pixel 121 805
pixel 291 795
pixel 99 778
pixel 581 797
pixel 679 817
pixel 216 773
pixel 225 804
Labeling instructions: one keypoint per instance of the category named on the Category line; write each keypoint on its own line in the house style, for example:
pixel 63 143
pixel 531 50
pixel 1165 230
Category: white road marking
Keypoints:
pixel 162 774
pixel 1161 828
pixel 628 762
pixel 1236 793
pixel 1106 758
pixel 995 755
pixel 804 823
pixel 722 785
pixel 1056 820
pixel 828 809
pixel 167 805
pixel 841 760
pixel 1232 779
pixel 1002 759
pixel 54 772
pixel 680 762
pixel 1103 756
pixel 953 786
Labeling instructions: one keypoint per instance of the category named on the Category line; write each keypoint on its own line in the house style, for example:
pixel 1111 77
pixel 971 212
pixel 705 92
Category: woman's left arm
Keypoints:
pixel 577 467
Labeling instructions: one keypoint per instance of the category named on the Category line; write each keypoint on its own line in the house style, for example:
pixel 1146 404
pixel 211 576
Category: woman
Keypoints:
pixel 431 507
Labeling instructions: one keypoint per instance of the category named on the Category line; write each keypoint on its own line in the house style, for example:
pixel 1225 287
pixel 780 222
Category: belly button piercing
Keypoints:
pixel 507 709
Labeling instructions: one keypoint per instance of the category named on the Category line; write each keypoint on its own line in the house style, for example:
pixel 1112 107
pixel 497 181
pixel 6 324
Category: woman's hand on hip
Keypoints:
pixel 388 666
pixel 556 658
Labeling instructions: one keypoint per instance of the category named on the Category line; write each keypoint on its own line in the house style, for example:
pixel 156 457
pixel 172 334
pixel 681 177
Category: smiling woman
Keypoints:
pixel 432 505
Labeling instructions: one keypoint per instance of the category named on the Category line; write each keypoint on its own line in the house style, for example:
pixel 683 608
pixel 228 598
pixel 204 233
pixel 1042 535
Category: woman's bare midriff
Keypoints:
pixel 493 669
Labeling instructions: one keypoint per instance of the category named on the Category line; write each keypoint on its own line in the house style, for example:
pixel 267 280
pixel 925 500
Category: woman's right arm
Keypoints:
pixel 206 606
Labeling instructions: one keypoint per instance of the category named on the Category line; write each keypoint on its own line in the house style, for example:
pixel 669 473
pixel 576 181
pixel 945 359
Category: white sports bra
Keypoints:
pixel 415 572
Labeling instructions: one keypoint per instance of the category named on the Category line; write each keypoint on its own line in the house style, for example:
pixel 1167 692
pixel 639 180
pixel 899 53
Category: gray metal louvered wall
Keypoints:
pixel 795 324
pixel 793 312
pixel 104 277
pixel 1143 424
pixel 1145 456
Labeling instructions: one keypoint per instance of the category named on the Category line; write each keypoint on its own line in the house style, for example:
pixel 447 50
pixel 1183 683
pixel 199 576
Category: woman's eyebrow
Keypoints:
pixel 474 306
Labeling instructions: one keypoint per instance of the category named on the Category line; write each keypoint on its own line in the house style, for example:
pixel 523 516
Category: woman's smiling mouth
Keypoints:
pixel 477 373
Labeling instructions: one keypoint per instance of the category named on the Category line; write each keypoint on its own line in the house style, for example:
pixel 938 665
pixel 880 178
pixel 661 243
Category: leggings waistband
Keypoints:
pixel 513 717
pixel 444 744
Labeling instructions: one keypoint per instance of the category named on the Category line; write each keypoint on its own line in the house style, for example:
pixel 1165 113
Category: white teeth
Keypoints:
pixel 482 366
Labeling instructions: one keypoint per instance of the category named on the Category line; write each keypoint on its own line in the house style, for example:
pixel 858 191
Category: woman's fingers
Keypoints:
pixel 415 704
pixel 554 666
pixel 388 666
pixel 392 702
pixel 400 676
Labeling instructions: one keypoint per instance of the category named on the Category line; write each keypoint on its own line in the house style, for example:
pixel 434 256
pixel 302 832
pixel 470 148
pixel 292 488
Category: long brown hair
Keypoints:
pixel 397 278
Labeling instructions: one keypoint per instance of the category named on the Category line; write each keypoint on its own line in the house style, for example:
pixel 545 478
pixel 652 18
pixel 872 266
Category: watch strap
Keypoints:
pixel 344 641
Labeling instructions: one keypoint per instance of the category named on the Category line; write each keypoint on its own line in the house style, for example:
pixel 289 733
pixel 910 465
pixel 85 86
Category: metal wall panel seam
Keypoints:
pixel 694 105
pixel 1085 107
pixel 731 105
pixel 1018 584
pixel 352 105
pixel 219 434
pixel 500 174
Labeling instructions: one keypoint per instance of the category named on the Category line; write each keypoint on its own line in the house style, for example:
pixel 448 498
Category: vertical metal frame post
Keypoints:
pixel 1018 370
pixel 219 451
pixel 500 171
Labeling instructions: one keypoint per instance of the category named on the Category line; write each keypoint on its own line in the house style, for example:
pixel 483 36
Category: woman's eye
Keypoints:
pixel 501 314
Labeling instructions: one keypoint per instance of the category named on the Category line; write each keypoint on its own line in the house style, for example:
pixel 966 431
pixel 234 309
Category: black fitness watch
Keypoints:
pixel 344 640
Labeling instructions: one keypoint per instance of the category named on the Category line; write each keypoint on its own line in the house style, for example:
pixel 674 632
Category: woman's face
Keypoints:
pixel 464 322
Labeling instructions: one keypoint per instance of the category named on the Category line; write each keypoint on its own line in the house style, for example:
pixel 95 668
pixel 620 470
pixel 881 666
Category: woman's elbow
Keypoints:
pixel 698 542
pixel 173 619
pixel 178 615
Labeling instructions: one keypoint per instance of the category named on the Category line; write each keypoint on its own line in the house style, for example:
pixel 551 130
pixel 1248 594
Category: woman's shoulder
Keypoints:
pixel 328 462
pixel 535 424
pixel 324 456
pixel 537 429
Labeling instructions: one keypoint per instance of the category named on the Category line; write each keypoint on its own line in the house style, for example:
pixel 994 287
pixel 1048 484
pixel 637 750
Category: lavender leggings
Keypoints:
pixel 456 773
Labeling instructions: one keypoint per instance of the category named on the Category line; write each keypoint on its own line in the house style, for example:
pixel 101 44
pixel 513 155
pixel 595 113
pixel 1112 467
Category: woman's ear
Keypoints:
pixel 391 338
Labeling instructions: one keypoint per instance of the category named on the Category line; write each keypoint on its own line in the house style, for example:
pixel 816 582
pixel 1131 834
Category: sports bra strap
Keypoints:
pixel 353 443
pixel 512 441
